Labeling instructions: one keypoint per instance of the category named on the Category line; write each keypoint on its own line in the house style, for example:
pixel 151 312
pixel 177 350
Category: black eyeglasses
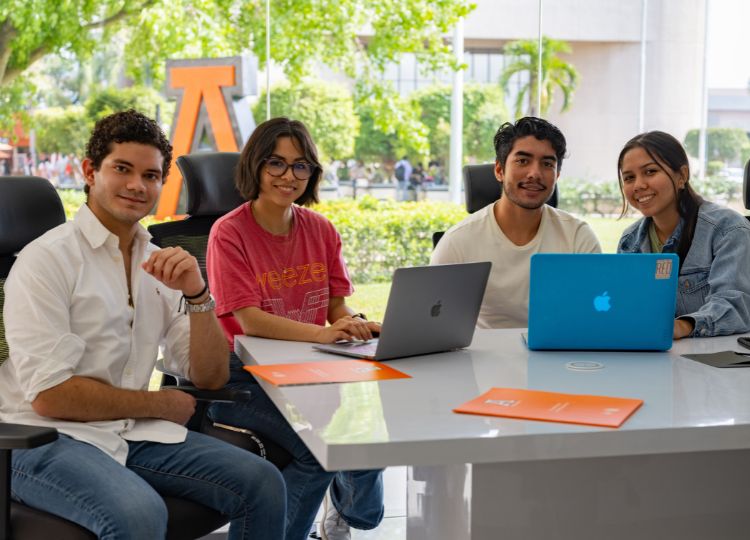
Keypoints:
pixel 300 170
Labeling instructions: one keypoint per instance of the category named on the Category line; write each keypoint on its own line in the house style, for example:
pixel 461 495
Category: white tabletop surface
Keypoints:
pixel 688 406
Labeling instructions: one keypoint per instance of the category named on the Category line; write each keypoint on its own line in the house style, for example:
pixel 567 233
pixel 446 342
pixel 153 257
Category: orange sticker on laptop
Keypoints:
pixel 663 268
pixel 325 372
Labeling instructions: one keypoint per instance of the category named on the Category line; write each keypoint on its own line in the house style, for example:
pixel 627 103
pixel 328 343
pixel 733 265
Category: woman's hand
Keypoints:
pixel 682 328
pixel 348 328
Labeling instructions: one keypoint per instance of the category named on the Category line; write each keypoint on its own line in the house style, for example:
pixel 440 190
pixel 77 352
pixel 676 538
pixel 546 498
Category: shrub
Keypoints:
pixel 585 197
pixel 72 200
pixel 380 236
pixel 722 144
pixel 713 167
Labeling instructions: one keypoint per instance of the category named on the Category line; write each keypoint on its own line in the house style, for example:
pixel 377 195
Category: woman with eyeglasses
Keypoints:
pixel 712 241
pixel 276 270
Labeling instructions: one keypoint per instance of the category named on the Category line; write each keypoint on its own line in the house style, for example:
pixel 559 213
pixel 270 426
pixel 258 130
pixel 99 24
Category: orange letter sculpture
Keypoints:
pixel 212 98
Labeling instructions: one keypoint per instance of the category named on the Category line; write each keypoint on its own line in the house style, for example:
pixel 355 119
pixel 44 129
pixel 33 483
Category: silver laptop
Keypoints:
pixel 430 309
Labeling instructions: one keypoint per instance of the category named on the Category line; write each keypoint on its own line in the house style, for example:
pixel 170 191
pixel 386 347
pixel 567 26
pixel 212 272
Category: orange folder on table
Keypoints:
pixel 552 407
pixel 326 372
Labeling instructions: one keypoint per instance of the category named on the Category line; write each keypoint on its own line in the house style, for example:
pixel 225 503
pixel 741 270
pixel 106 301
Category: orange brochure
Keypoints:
pixel 552 407
pixel 326 372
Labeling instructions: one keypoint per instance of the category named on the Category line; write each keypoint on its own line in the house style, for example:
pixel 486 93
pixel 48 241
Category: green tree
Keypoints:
pixel 484 111
pixel 722 144
pixel 304 33
pixel 327 109
pixel 146 100
pixel 556 73
pixel 390 126
pixel 67 129
pixel 62 130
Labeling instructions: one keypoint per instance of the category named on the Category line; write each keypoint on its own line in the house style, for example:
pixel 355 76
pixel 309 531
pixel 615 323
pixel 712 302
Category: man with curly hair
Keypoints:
pixel 88 305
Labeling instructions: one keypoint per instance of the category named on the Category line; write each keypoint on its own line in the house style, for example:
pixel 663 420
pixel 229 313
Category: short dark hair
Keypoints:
pixel 664 149
pixel 261 145
pixel 509 133
pixel 123 127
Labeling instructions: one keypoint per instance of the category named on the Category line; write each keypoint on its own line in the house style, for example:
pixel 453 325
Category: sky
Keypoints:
pixel 729 44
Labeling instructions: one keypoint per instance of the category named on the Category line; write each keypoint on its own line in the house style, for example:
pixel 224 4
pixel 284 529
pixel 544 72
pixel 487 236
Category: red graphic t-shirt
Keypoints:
pixel 291 276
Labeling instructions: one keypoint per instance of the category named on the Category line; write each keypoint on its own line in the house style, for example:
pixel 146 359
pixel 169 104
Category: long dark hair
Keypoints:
pixel 261 145
pixel 666 150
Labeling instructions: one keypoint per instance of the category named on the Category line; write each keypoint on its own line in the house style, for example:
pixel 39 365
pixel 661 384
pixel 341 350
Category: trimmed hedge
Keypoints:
pixel 380 236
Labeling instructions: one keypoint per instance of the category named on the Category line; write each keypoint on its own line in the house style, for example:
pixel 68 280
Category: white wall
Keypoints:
pixel 605 38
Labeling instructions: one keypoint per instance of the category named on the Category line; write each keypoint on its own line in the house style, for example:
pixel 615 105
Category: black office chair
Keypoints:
pixel 211 193
pixel 29 207
pixel 746 187
pixel 209 178
pixel 482 188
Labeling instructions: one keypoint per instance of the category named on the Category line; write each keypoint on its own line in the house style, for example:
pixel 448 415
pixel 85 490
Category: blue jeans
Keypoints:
pixel 79 482
pixel 357 495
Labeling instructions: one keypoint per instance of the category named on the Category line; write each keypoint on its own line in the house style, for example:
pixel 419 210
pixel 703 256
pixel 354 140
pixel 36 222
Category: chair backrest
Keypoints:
pixel 29 207
pixel 482 188
pixel 746 186
pixel 211 193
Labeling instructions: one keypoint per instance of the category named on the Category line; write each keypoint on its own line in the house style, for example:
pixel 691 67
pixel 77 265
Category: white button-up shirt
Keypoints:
pixel 67 313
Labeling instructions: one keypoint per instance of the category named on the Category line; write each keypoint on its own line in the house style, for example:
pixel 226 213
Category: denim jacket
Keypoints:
pixel 714 280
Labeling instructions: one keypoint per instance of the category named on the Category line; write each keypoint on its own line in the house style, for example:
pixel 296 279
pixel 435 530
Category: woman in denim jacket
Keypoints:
pixel 713 242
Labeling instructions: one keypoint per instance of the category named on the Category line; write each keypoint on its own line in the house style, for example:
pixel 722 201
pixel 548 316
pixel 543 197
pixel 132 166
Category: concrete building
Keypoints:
pixel 729 108
pixel 605 36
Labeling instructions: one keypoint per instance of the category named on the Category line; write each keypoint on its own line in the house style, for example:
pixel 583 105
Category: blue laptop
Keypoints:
pixel 602 301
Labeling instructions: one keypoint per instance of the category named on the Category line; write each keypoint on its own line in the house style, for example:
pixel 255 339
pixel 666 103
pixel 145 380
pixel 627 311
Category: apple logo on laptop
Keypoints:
pixel 435 310
pixel 601 302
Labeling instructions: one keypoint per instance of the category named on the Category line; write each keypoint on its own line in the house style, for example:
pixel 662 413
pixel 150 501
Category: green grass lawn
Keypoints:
pixel 370 298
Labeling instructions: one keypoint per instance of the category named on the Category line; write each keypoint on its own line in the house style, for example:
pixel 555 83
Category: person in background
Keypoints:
pixel 402 172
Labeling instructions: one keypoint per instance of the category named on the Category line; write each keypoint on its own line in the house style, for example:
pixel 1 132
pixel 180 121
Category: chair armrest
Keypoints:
pixel 225 395
pixel 13 436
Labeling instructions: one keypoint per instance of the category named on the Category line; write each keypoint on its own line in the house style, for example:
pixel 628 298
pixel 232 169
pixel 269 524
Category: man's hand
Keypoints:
pixel 347 328
pixel 175 406
pixel 177 269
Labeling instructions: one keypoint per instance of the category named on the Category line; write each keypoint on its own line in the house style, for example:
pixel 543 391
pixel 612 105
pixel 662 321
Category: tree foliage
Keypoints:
pixel 556 73
pixel 484 111
pixel 66 130
pixel 62 130
pixel 146 100
pixel 722 144
pixel 390 126
pixel 304 33
pixel 325 108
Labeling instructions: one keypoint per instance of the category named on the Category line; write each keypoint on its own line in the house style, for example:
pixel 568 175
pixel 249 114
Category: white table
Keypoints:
pixel 678 468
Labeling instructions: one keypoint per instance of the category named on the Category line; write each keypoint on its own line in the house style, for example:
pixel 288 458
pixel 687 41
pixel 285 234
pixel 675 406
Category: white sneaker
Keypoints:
pixel 333 526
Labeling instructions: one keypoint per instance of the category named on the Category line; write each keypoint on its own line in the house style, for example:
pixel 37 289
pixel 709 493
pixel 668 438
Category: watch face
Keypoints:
pixel 208 305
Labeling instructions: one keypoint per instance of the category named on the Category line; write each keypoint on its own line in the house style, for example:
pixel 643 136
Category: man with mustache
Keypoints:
pixel 508 232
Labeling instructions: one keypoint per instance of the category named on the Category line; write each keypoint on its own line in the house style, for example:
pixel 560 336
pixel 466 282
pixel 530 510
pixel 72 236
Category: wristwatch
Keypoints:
pixel 208 305
pixel 359 316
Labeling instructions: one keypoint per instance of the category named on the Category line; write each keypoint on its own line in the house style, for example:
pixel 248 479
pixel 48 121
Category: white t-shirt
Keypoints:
pixel 479 238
